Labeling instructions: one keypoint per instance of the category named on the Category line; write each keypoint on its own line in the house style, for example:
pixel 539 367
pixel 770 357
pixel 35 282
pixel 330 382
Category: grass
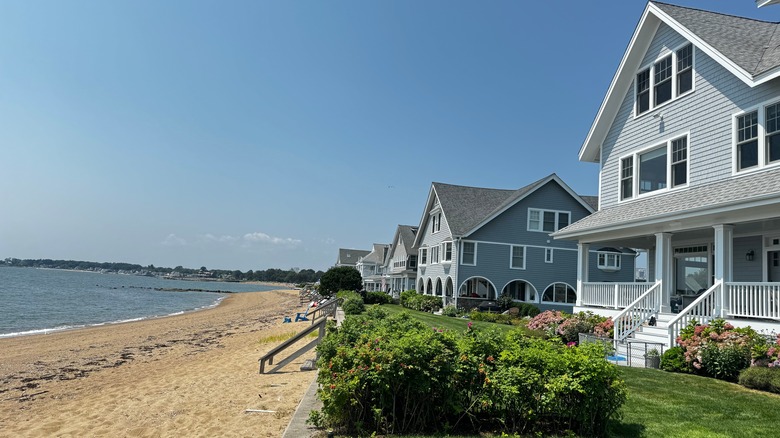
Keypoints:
pixel 663 404
pixel 450 323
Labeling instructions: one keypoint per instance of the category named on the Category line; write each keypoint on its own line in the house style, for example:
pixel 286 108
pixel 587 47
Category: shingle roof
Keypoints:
pixel 593 201
pixel 743 189
pixel 377 255
pixel 349 256
pixel 466 207
pixel 751 44
pixel 408 233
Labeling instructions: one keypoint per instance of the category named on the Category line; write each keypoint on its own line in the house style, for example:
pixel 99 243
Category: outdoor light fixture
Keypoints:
pixel 749 255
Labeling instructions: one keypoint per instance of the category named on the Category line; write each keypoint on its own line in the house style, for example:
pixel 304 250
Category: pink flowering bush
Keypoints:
pixel 767 354
pixel 717 349
pixel 547 321
pixel 605 329
pixel 564 326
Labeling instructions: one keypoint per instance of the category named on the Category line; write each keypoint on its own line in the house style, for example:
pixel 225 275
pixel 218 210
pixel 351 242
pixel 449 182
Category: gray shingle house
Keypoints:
pixel 688 143
pixel 475 244
pixel 371 267
pixel 349 257
pixel 400 269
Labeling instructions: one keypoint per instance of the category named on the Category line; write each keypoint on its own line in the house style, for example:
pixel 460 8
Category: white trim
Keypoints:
pixel 651 67
pixel 444 251
pixel 537 296
pixel 512 256
pixel 541 219
pixel 665 141
pixel 463 252
pixel 490 242
pixel 551 252
pixel 541 297
pixel 760 110
pixel 457 292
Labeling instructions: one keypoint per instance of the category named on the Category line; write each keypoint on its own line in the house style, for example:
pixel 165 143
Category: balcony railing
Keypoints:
pixel 754 300
pixel 612 295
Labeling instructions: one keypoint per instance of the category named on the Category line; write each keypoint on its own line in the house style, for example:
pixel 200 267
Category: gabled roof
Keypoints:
pixel 349 256
pixel 407 234
pixel 748 48
pixel 377 254
pixel 467 209
pixel 753 188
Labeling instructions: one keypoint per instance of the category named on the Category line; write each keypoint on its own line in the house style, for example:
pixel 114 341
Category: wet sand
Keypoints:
pixel 187 375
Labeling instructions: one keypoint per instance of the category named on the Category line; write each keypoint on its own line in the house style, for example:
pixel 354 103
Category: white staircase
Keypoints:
pixel 657 334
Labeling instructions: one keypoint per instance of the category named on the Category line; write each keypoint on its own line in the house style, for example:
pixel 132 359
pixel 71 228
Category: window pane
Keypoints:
pixel 773 147
pixel 773 132
pixel 652 171
pixel 517 256
pixel 679 161
pixel 468 253
pixel 627 178
pixel 549 221
pixel 534 222
pixel 748 154
pixel 663 80
pixel 747 127
pixel 563 220
pixel 643 91
pixel 685 69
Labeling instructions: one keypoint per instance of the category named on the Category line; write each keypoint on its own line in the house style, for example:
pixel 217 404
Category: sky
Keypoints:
pixel 268 134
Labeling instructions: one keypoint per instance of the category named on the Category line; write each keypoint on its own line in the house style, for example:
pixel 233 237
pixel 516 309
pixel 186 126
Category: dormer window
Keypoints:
pixel 669 78
pixel 435 223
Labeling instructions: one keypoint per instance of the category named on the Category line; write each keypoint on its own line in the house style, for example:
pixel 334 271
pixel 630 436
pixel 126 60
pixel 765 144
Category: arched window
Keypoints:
pixel 560 293
pixel 477 287
pixel 520 290
pixel 429 288
pixel 448 287
pixel 438 287
pixel 421 287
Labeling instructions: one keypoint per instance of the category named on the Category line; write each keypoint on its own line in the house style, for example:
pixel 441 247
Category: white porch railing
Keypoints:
pixel 638 312
pixel 703 310
pixel 754 300
pixel 614 295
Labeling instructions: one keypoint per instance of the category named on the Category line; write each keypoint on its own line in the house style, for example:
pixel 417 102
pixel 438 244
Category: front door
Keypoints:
pixel 692 275
pixel 773 268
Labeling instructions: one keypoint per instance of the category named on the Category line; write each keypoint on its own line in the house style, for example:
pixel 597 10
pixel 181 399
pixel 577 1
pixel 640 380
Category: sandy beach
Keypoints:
pixel 187 375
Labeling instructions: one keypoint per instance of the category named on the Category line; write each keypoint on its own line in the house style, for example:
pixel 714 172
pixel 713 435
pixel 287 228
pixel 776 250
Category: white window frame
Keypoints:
pixel 674 78
pixel 541 297
pixel 423 257
pixel 636 167
pixel 512 249
pixel 541 212
pixel 548 255
pixel 434 253
pixel 463 253
pixel 444 258
pixel 606 265
pixel 763 153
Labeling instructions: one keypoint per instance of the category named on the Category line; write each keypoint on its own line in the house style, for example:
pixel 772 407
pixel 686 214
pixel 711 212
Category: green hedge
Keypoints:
pixel 763 379
pixel 415 301
pixel 396 375
pixel 378 298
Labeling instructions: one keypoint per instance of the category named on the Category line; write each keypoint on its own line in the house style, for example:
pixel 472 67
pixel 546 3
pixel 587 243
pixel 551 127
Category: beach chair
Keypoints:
pixel 303 316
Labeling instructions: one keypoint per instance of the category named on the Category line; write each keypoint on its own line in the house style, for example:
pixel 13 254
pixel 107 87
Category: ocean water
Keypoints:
pixel 36 301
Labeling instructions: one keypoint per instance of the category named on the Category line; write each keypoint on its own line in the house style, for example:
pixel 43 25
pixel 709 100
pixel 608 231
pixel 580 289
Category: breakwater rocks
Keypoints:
pixel 169 289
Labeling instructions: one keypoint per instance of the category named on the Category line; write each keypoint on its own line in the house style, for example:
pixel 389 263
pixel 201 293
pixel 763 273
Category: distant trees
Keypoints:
pixel 340 278
pixel 272 275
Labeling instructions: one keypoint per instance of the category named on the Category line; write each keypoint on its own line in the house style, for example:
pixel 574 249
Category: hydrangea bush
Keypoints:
pixel 718 349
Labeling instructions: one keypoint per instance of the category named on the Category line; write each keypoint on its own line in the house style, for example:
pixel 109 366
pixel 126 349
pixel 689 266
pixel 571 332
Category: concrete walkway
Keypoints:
pixel 298 427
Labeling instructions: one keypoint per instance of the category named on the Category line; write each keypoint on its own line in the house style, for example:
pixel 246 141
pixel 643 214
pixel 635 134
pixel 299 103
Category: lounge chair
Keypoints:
pixel 303 316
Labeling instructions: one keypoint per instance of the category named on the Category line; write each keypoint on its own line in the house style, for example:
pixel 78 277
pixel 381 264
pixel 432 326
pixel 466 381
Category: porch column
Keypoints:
pixel 583 257
pixel 664 268
pixel 724 264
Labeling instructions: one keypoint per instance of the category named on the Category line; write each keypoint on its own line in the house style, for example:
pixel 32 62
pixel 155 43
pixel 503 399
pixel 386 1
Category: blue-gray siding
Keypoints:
pixel 707 114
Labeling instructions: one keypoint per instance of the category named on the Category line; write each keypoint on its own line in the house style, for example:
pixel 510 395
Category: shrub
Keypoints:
pixel 605 329
pixel 547 321
pixel 718 349
pixel 673 360
pixel 505 301
pixel 343 295
pixel 395 375
pixel 378 298
pixel 766 353
pixel 450 311
pixel 425 303
pixel 527 309
pixel 570 328
pixel 353 306
pixel 376 312
pixel 763 379
pixel 340 278
pixel 499 318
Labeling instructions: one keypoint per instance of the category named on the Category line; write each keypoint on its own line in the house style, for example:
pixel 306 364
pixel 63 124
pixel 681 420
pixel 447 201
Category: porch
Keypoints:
pixel 640 310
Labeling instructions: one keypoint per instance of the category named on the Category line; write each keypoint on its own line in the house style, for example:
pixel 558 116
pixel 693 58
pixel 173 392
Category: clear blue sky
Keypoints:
pixel 256 134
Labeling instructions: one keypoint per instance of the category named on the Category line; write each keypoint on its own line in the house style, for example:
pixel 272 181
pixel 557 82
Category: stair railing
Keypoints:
pixel 638 312
pixel 703 309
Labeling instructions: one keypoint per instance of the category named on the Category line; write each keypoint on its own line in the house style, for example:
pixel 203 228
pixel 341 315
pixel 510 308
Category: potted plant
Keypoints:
pixel 653 359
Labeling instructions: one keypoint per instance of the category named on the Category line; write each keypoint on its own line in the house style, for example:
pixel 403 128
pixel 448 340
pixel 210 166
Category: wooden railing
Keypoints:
pixel 754 300
pixel 638 312
pixel 703 310
pixel 327 308
pixel 269 357
pixel 614 295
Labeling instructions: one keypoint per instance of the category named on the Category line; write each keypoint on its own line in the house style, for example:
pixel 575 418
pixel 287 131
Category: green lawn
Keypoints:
pixel 663 404
pixel 448 322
